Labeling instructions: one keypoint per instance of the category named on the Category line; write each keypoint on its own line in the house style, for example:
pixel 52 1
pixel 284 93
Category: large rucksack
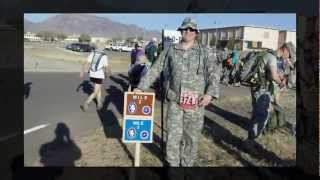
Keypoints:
pixel 136 73
pixel 252 71
pixel 96 59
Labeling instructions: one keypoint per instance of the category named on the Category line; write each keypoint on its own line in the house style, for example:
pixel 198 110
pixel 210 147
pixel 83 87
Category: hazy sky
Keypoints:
pixel 205 20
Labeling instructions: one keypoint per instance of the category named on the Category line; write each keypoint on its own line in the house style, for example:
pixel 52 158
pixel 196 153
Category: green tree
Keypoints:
pixel 61 36
pixel 129 40
pixel 213 41
pixel 46 35
pixel 84 38
pixel 115 39
pixel 140 38
pixel 230 44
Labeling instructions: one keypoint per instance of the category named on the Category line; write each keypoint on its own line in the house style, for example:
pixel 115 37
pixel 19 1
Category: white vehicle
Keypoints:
pixel 114 47
pixel 108 47
pixel 126 48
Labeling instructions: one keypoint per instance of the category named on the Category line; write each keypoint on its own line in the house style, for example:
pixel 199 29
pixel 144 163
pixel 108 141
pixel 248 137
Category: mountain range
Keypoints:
pixel 89 24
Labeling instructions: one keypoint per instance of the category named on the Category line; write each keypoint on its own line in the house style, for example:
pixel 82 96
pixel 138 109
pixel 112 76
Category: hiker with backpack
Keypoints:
pixel 192 82
pixel 260 72
pixel 151 50
pixel 234 67
pixel 226 68
pixel 138 66
pixel 97 66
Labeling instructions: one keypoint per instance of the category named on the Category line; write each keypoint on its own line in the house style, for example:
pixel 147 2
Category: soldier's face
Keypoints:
pixel 188 34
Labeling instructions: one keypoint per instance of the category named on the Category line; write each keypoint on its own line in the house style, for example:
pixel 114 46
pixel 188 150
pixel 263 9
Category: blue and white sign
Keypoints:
pixel 146 110
pixel 132 107
pixel 137 130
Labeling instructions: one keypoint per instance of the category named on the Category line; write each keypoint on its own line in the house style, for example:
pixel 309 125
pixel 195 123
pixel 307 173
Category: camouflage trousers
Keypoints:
pixel 183 131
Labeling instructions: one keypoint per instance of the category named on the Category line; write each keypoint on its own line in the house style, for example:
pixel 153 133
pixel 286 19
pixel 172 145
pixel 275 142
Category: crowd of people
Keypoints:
pixel 193 74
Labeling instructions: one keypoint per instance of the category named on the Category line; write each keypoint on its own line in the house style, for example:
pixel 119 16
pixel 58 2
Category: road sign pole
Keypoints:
pixel 137 155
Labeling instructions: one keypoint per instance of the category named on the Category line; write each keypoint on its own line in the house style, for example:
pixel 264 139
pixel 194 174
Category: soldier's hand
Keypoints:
pixel 205 100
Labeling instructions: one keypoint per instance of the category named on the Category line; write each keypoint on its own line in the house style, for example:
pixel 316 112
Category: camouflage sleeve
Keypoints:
pixel 153 72
pixel 213 71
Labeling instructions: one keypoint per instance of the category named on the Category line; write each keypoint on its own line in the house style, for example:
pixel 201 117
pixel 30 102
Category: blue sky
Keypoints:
pixel 205 20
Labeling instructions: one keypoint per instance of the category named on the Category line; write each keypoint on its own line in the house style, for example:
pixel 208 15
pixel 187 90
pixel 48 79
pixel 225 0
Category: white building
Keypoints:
pixel 287 36
pixel 247 37
pixel 31 37
pixel 170 37
pixel 98 40
pixel 73 38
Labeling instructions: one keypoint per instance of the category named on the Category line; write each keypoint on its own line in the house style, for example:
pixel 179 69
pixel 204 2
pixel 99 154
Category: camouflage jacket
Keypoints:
pixel 194 69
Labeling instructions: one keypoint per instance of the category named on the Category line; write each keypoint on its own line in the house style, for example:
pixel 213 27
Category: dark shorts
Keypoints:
pixel 96 80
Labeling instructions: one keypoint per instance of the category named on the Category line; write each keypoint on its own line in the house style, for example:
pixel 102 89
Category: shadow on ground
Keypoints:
pixel 27 90
pixel 224 138
pixel 62 151
pixel 110 122
pixel 234 118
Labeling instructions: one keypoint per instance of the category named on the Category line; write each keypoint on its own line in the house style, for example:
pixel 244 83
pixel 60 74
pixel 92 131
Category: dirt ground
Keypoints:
pixel 223 138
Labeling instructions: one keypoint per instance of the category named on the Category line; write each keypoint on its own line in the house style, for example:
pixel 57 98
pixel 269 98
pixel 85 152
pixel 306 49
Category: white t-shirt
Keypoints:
pixel 101 66
pixel 271 60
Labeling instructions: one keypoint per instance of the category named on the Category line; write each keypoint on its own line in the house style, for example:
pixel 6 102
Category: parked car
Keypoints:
pixel 80 47
pixel 115 47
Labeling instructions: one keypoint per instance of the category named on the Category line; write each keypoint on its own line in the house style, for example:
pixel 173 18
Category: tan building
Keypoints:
pixel 31 37
pixel 73 38
pixel 98 40
pixel 246 37
pixel 287 36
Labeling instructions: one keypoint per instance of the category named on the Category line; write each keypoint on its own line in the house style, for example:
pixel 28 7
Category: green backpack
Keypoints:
pixel 276 119
pixel 252 71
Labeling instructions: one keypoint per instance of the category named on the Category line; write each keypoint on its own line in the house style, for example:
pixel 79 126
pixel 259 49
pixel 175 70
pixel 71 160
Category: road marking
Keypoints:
pixel 4 138
pixel 35 128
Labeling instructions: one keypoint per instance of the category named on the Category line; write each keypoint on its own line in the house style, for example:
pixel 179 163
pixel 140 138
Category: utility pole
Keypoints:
pixel 216 38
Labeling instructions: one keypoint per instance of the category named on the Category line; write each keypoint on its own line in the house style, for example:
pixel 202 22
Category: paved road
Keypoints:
pixel 51 98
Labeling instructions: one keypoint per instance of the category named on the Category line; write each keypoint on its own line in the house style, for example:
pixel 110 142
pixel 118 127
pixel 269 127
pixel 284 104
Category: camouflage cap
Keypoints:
pixel 188 23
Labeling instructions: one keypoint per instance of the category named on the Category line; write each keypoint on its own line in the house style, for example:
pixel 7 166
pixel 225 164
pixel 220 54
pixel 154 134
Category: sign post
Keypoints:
pixel 138 120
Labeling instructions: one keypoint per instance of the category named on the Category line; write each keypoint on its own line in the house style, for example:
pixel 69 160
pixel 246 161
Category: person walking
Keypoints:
pixel 97 66
pixel 265 93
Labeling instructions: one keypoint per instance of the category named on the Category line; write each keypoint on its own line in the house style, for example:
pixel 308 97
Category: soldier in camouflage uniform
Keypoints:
pixel 266 91
pixel 221 55
pixel 193 83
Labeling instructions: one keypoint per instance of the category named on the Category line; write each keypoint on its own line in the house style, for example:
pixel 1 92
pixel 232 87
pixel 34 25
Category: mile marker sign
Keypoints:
pixel 138 117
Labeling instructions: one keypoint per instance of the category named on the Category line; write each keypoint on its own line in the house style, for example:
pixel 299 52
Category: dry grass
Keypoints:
pixel 46 55
pixel 225 145
pixel 54 54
